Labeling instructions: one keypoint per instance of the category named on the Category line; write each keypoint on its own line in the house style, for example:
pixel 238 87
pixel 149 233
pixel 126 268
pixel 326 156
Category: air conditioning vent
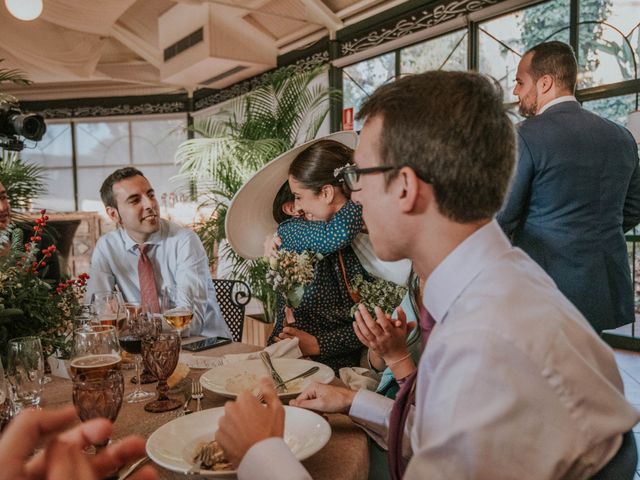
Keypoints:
pixel 184 44
pixel 224 75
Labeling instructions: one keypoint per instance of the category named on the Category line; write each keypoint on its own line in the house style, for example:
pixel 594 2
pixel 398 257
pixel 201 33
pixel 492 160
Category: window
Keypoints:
pixel 614 108
pixel 605 54
pixel 361 80
pixel 503 40
pixel 447 52
pixel 54 152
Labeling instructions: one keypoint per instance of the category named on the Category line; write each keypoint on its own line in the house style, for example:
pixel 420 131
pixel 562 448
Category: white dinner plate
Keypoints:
pixel 173 445
pixel 229 380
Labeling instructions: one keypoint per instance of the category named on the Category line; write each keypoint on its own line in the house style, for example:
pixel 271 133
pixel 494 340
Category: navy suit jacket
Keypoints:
pixel 575 192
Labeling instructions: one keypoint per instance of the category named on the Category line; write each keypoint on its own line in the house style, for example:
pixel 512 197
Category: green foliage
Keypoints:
pixel 377 292
pixel 23 181
pixel 11 75
pixel 28 304
pixel 286 109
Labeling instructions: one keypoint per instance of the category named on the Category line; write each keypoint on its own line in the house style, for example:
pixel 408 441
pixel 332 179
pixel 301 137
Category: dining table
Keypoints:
pixel 344 457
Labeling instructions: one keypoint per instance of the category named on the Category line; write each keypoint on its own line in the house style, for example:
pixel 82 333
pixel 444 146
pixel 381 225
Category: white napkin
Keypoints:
pixel 287 348
pixel 357 378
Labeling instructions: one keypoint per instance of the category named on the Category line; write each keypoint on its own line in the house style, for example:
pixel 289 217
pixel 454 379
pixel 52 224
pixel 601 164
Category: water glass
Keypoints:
pixel 25 371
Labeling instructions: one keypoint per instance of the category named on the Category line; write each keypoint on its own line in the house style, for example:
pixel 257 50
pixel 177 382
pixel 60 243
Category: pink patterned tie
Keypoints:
pixel 404 399
pixel 148 290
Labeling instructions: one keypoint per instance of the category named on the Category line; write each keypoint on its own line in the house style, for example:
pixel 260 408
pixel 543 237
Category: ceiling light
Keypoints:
pixel 24 9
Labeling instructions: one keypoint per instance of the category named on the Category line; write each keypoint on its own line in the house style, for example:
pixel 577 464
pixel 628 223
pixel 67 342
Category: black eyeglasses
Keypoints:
pixel 350 174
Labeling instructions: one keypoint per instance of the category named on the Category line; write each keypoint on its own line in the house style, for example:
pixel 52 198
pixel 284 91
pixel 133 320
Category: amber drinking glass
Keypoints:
pixel 160 354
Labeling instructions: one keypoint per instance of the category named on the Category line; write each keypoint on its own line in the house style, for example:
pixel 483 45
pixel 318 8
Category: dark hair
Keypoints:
pixel 556 59
pixel 452 129
pixel 314 166
pixel 106 190
pixel 283 196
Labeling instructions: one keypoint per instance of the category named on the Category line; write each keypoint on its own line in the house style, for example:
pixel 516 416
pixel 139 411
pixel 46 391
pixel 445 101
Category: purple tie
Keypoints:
pixel 404 399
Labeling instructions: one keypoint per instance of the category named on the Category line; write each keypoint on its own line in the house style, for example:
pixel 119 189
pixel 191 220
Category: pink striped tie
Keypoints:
pixel 404 399
pixel 148 290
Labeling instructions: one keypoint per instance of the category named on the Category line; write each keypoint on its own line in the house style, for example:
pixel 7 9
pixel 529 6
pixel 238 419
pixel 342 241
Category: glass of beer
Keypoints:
pixel 95 351
pixel 160 354
pixel 109 307
pixel 177 307
pixel 98 397
pixel 6 408
pixel 25 371
pixel 131 331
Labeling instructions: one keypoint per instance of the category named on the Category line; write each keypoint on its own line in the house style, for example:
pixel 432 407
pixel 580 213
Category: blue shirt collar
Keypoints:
pixel 155 238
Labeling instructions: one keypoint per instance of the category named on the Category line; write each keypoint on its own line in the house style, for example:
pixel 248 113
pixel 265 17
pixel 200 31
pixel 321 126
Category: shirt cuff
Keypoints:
pixel 271 458
pixel 372 411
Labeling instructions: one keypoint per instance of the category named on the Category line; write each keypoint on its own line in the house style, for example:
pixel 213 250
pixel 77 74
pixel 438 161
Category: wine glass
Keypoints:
pixel 95 351
pixel 86 317
pixel 177 307
pixel 6 408
pixel 25 371
pixel 130 332
pixel 109 307
pixel 160 354
pixel 98 397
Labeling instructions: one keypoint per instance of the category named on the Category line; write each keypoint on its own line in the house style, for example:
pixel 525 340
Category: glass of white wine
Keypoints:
pixel 177 307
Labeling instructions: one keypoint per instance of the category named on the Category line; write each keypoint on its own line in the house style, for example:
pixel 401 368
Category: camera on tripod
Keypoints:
pixel 15 124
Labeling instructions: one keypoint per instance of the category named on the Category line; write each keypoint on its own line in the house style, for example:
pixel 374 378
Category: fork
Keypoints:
pixel 196 393
pixel 304 374
pixel 275 376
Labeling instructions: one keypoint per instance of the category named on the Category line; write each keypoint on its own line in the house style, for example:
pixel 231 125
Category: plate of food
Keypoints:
pixel 178 444
pixel 229 380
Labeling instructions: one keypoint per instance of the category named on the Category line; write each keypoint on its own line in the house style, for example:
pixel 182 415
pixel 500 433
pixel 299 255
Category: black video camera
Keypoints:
pixel 15 124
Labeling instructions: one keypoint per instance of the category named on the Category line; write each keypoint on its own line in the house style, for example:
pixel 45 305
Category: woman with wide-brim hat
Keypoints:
pixel 322 320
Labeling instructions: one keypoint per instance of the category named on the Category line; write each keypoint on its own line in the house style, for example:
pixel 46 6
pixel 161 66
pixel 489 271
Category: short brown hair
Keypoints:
pixel 106 190
pixel 314 167
pixel 556 59
pixel 452 129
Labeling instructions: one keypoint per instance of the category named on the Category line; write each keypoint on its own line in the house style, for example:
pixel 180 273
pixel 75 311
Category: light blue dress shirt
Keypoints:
pixel 178 258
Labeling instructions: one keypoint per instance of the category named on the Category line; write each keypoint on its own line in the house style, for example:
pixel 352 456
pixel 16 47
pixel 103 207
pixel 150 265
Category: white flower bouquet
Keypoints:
pixel 289 273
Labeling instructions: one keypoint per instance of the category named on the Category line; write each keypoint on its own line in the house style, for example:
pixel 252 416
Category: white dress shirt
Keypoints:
pixel 178 258
pixel 556 101
pixel 514 383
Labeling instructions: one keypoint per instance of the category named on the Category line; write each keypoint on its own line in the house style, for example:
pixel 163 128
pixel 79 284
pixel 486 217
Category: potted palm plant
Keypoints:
pixel 286 109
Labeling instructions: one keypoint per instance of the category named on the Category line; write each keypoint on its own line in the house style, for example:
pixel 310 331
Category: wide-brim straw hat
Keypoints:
pixel 250 216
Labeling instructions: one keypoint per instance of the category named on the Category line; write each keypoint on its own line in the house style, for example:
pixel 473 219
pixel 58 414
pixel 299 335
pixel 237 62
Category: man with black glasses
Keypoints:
pixel 512 382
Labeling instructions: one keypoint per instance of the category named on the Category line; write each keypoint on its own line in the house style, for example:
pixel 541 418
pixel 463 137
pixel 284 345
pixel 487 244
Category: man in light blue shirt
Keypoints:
pixel 175 253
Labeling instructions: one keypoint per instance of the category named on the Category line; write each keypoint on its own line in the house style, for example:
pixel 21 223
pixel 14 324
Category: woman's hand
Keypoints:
pixel 308 344
pixel 384 336
pixel 271 245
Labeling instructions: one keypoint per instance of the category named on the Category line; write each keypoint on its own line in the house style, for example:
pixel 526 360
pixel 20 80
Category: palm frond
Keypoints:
pixel 238 141
pixel 23 181
pixel 13 75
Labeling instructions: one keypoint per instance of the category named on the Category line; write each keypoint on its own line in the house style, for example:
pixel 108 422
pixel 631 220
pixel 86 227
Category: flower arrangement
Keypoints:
pixel 289 272
pixel 386 295
pixel 28 304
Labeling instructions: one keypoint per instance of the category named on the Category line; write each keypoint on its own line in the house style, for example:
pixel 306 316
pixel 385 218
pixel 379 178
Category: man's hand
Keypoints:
pixel 308 344
pixel 247 422
pixel 387 338
pixel 62 452
pixel 325 398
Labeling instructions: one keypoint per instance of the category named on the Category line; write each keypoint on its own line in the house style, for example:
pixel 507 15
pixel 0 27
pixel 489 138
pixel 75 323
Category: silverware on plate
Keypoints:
pixel 275 376
pixel 304 374
pixel 197 394
pixel 135 466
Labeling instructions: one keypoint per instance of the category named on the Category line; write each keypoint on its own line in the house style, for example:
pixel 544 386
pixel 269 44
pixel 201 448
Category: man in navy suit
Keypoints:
pixel 576 189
